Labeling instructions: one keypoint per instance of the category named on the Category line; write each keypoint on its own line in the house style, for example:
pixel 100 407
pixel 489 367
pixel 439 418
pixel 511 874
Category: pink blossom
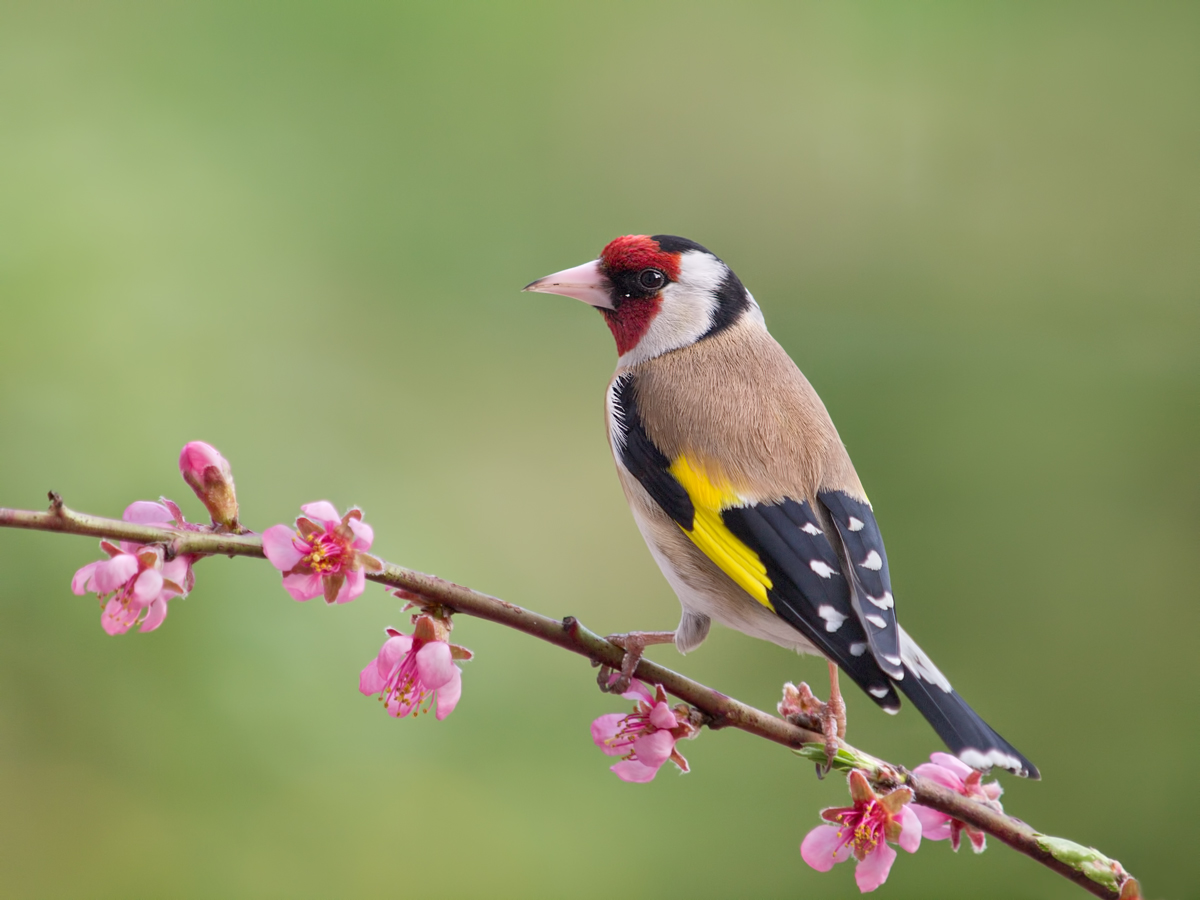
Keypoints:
pixel 646 737
pixel 863 831
pixel 413 669
pixel 951 772
pixel 325 555
pixel 136 580
pixel 209 474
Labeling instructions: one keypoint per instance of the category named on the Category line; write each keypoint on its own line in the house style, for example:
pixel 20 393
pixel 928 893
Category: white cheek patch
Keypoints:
pixel 687 310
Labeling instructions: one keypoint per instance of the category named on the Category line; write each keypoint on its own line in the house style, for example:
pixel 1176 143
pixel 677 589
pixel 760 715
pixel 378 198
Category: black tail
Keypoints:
pixel 969 737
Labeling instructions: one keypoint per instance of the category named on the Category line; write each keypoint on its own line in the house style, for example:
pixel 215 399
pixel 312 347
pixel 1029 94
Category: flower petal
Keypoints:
pixel 953 763
pixel 303 587
pixel 324 512
pixel 352 587
pixel 435 664
pixel 935 826
pixel 79 582
pixel 116 619
pixel 662 716
pixel 448 695
pixel 940 775
pixel 633 771
pixel 115 572
pixel 147 512
pixel 364 534
pixel 179 570
pixel 146 589
pixel 369 680
pixel 822 848
pixel 654 749
pixel 280 547
pixel 873 871
pixel 155 616
pixel 196 456
pixel 636 691
pixel 604 734
pixel 910 830
pixel 394 650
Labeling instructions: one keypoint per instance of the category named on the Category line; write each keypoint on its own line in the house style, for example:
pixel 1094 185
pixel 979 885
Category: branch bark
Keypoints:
pixel 1072 861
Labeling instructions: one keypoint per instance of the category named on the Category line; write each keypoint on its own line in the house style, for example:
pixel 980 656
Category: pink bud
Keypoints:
pixel 208 473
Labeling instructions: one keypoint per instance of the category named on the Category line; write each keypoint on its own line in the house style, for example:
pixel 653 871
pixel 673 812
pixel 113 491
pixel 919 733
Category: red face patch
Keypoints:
pixel 635 252
pixel 627 256
pixel 631 321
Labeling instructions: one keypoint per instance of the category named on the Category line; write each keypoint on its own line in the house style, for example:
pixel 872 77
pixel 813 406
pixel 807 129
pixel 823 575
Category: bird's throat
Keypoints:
pixel 630 321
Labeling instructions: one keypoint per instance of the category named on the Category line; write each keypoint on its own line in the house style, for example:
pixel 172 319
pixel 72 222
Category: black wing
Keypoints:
pixel 804 584
pixel 808 589
pixel 780 553
pixel 867 570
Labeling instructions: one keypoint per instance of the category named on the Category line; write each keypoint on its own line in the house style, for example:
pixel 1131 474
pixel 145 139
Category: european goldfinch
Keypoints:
pixel 743 490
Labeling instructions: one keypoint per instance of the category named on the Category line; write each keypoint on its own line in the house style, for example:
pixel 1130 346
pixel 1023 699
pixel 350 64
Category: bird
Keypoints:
pixel 744 492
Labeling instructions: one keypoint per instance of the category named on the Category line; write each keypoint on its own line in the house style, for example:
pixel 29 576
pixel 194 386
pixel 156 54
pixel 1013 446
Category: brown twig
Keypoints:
pixel 719 711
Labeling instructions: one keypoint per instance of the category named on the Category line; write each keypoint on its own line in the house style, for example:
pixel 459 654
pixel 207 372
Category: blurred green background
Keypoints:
pixel 298 231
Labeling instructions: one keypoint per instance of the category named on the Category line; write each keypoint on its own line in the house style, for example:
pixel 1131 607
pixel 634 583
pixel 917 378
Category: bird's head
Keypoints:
pixel 656 293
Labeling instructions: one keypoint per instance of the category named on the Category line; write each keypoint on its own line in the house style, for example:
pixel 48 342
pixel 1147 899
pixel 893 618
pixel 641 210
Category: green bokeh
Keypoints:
pixel 298 231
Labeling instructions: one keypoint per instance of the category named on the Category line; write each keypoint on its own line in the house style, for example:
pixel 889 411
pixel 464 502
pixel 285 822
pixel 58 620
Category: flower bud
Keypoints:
pixel 208 473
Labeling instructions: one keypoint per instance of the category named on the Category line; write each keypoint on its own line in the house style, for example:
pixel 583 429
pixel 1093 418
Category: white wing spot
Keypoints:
pixel 858 648
pixel 884 602
pixel 877 621
pixel 894 660
pixel 914 657
pixel 856 524
pixel 821 568
pixel 810 528
pixel 874 561
pixel 982 761
pixel 833 618
pixel 879 692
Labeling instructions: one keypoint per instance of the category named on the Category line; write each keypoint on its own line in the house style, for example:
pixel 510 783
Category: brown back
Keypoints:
pixel 738 407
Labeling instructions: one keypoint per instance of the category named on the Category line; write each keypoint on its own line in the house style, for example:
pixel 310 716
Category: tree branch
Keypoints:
pixel 1086 867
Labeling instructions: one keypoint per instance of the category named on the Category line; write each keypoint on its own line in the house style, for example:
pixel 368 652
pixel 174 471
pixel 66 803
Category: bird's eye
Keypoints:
pixel 651 279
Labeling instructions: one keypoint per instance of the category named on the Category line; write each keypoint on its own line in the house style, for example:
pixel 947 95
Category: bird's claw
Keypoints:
pixel 634 643
pixel 829 718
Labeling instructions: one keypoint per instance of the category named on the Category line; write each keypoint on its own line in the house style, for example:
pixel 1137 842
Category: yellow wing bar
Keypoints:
pixel 711 535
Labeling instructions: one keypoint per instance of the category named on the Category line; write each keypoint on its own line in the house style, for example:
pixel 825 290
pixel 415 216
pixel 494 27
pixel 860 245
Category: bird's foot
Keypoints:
pixel 802 707
pixel 634 643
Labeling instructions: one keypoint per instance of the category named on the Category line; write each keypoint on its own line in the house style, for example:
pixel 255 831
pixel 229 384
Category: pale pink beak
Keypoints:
pixel 586 283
